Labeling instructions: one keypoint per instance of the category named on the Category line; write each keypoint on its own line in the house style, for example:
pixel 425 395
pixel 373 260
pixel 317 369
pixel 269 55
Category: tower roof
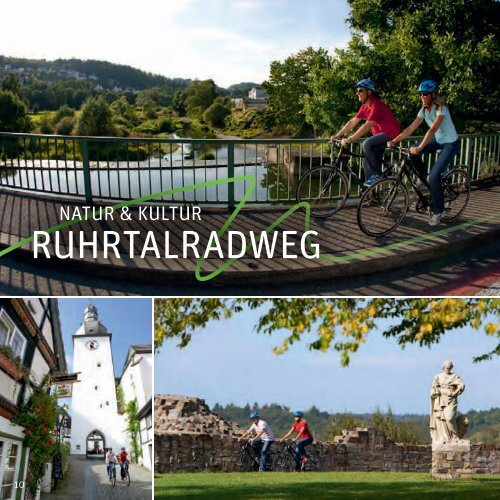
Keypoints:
pixel 91 324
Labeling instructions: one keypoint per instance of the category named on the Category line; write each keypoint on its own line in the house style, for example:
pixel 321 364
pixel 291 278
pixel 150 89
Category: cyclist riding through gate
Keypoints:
pixel 110 460
pixel 123 457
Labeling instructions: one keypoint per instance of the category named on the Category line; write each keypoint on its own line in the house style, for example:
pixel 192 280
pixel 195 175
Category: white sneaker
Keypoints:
pixel 435 219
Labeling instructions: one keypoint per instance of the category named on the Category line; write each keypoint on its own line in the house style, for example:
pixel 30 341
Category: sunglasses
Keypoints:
pixel 360 91
pixel 423 94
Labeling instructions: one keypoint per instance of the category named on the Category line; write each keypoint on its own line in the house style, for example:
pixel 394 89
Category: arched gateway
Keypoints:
pixel 96 444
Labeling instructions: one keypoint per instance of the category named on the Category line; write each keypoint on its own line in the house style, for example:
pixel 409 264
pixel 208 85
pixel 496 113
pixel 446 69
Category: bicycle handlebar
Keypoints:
pixel 337 142
pixel 405 151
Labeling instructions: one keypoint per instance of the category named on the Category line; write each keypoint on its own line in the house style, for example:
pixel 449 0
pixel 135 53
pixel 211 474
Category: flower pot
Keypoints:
pixel 9 366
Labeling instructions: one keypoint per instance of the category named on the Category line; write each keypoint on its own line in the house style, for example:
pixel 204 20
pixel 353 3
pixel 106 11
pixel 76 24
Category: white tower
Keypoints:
pixel 96 423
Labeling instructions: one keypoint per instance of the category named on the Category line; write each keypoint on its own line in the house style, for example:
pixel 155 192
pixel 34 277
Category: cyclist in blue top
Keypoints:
pixel 440 136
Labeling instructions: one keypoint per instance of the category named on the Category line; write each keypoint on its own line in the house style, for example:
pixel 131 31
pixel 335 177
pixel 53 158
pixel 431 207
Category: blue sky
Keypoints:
pixel 230 363
pixel 228 40
pixel 128 320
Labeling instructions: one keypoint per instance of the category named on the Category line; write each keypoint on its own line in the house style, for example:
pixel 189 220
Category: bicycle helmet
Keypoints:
pixel 123 448
pixel 254 414
pixel 427 86
pixel 366 83
pixel 298 413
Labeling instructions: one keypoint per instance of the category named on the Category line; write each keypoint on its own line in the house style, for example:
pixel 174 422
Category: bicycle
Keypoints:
pixel 326 187
pixel 125 474
pixel 112 473
pixel 288 460
pixel 384 205
pixel 250 458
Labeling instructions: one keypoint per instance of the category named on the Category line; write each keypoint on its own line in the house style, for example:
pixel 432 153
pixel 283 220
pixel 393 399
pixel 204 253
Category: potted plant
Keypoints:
pixel 10 363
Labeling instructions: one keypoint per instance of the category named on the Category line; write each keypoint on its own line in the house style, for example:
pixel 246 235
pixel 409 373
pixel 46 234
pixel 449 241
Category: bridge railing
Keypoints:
pixel 111 168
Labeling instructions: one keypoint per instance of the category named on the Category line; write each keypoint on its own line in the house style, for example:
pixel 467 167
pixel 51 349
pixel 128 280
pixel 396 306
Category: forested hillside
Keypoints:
pixel 484 426
pixel 107 75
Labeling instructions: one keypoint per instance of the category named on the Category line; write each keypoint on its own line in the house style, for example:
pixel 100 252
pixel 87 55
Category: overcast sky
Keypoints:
pixel 230 363
pixel 229 41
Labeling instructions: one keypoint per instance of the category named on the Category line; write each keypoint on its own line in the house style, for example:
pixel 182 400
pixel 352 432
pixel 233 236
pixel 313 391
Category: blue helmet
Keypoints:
pixel 366 83
pixel 298 413
pixel 427 86
pixel 254 414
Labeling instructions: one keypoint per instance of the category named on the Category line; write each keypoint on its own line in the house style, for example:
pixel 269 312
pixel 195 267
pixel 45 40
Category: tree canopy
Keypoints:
pixel 338 324
pixel 95 118
pixel 397 44
pixel 13 113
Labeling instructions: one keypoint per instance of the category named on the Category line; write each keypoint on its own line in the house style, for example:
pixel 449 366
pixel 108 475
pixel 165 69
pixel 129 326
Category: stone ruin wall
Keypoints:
pixel 189 437
pixel 481 459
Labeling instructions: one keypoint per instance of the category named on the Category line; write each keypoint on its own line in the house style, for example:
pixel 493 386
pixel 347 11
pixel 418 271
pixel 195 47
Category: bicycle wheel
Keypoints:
pixel 325 188
pixel 285 463
pixel 382 207
pixel 113 479
pixel 456 188
pixel 313 462
pixel 127 477
pixel 246 463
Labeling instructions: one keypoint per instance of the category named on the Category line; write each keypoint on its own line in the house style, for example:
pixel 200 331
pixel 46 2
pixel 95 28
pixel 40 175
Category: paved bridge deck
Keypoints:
pixel 345 250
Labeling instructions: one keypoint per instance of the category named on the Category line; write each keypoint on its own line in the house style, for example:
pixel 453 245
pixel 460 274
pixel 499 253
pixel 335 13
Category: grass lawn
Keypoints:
pixel 356 485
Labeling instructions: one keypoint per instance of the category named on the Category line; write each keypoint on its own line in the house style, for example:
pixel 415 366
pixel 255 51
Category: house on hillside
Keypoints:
pixel 256 98
pixel 30 342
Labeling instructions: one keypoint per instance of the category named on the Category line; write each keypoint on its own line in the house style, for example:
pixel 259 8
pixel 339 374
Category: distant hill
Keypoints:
pixel 241 89
pixel 107 75
pixel 484 426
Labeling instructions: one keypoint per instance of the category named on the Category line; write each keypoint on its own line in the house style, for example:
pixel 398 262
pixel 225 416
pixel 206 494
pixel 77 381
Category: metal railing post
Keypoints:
pixel 86 171
pixel 230 173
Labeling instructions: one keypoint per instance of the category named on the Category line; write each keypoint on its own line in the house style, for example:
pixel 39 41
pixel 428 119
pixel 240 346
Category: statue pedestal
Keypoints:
pixel 451 460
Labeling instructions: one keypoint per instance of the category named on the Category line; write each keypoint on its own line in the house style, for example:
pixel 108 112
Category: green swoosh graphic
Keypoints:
pixel 149 197
pixel 406 243
pixel 253 181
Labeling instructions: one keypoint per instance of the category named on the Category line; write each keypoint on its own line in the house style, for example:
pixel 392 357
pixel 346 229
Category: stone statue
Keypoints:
pixel 446 425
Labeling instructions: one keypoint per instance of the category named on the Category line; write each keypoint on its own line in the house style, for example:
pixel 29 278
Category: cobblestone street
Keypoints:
pixel 87 480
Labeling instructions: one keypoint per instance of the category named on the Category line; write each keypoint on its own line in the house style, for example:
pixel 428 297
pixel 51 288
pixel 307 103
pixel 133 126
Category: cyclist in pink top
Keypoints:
pixel 380 120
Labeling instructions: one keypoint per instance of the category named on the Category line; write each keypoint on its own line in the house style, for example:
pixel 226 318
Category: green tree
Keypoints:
pixel 13 113
pixel 455 43
pixel 11 82
pixel 341 324
pixel 344 421
pixel 124 109
pixel 288 85
pixel 217 112
pixel 95 118
pixel 199 97
pixel 397 44
pixel 161 96
pixel 65 125
pixel 149 109
pixel 397 431
pixel 166 125
pixel 179 102
pixel 62 112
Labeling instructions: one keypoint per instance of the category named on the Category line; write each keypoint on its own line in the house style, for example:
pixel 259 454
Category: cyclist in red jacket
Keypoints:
pixel 304 437
pixel 380 120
